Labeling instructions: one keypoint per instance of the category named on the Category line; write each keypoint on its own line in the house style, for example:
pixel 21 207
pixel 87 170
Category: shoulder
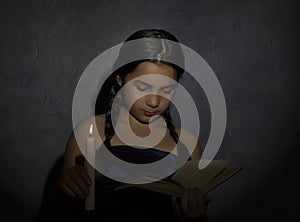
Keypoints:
pixel 190 140
pixel 82 128
pixel 97 120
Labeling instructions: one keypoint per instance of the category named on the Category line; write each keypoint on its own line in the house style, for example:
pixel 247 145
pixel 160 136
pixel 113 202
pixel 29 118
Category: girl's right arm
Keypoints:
pixel 74 178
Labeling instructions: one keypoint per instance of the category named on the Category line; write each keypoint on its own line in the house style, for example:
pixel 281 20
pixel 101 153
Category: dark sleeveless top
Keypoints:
pixel 133 204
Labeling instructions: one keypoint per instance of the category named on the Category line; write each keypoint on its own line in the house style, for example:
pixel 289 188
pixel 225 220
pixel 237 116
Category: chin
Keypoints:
pixel 154 118
pixel 144 120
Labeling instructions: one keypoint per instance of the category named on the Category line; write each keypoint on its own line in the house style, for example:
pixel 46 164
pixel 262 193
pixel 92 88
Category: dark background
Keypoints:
pixel 253 47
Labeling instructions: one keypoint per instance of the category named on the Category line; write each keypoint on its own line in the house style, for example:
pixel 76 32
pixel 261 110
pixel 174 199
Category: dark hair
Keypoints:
pixel 161 51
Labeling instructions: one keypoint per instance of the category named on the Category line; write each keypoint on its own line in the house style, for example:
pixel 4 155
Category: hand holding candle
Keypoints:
pixel 90 163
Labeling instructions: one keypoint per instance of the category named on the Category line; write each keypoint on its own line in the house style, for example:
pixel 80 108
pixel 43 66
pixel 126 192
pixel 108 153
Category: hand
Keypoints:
pixel 192 206
pixel 75 182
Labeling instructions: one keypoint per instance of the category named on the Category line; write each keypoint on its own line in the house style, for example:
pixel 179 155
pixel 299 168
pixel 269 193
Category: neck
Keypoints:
pixel 140 129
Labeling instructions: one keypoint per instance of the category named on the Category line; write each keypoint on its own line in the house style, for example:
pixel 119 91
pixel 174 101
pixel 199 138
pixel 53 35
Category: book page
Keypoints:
pixel 144 178
pixel 189 175
pixel 222 177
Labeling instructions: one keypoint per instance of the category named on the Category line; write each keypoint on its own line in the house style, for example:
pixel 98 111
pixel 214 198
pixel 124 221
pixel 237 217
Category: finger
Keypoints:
pixel 79 182
pixel 184 201
pixel 202 199
pixel 84 175
pixel 176 206
pixel 74 189
pixel 72 185
pixel 198 194
pixel 193 199
pixel 68 191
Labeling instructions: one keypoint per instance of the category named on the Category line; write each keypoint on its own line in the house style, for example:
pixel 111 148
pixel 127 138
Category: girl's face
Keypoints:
pixel 148 90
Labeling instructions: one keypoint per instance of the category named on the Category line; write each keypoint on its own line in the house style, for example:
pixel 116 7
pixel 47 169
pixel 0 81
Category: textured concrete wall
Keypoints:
pixel 251 45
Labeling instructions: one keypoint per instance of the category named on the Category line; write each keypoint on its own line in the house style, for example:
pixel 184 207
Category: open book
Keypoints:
pixel 188 176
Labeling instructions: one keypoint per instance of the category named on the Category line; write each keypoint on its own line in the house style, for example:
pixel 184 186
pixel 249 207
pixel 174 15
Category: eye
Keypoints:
pixel 142 88
pixel 168 90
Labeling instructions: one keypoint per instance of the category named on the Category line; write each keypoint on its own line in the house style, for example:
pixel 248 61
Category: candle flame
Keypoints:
pixel 91 129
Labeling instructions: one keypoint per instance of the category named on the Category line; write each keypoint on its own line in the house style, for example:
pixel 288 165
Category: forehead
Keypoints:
pixel 143 70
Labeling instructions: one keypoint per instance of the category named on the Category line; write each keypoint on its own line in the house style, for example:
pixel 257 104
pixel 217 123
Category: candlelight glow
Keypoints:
pixel 91 129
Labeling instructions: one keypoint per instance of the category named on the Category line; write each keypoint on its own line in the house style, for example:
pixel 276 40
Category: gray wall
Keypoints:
pixel 251 45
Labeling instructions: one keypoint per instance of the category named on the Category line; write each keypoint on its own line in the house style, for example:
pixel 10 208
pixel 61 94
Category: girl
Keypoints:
pixel 147 88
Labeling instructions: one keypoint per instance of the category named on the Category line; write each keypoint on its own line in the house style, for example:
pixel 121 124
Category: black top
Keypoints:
pixel 133 204
pixel 130 204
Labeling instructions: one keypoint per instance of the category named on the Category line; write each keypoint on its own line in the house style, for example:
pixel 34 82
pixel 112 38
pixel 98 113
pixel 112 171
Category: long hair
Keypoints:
pixel 159 52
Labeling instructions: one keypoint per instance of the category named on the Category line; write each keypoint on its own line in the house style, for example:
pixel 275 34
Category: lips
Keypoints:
pixel 150 114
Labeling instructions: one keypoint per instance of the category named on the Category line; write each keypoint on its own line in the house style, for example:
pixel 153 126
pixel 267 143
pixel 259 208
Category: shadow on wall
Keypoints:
pixel 50 189
pixel 52 199
pixel 55 205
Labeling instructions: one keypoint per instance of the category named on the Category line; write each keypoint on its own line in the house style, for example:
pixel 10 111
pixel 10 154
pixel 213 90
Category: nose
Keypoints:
pixel 153 100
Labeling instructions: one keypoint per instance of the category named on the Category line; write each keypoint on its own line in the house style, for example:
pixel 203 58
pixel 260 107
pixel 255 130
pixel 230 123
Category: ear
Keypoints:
pixel 119 80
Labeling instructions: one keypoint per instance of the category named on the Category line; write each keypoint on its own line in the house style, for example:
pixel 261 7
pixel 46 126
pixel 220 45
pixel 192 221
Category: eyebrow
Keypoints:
pixel 139 81
pixel 169 86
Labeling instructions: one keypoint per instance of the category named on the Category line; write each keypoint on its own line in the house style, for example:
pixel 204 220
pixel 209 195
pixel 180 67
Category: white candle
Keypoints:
pixel 90 163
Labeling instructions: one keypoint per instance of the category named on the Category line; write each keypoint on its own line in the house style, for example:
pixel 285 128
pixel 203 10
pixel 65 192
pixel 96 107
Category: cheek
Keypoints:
pixel 164 103
pixel 130 100
pixel 137 105
pixel 128 97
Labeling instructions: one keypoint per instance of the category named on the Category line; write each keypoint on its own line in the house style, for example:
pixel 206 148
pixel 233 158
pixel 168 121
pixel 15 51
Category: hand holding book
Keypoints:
pixel 189 176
